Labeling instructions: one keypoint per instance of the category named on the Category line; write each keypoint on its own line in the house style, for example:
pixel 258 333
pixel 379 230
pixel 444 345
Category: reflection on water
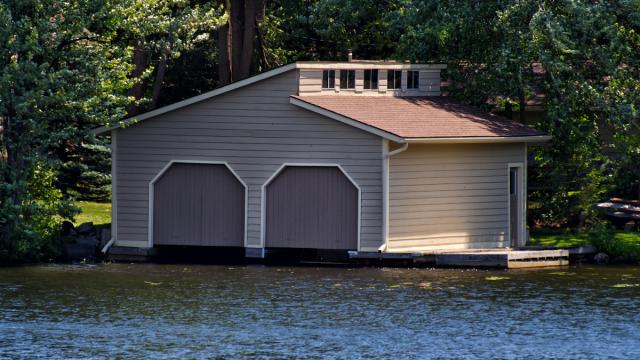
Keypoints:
pixel 186 311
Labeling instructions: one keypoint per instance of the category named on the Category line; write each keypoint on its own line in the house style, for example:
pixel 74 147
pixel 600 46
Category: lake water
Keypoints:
pixel 187 311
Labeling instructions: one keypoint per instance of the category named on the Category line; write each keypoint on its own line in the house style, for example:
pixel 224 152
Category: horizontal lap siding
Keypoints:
pixel 450 196
pixel 255 129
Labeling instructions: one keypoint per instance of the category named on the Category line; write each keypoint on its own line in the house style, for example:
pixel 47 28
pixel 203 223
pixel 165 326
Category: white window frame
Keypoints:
pixel 328 71
pixel 416 83
pixel 364 76
pixel 354 80
pixel 393 84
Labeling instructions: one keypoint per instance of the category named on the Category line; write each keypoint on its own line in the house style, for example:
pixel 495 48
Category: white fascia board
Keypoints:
pixel 346 120
pixel 480 140
pixel 192 100
pixel 367 65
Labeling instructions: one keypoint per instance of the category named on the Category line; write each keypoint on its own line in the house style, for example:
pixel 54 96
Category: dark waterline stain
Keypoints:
pixel 190 311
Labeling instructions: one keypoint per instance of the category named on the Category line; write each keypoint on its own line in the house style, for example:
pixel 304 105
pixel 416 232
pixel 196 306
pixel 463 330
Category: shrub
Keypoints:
pixel 620 246
pixel 35 221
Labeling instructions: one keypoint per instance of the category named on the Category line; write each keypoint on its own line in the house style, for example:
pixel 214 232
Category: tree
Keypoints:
pixel 326 29
pixel 160 30
pixel 236 39
pixel 588 55
pixel 59 75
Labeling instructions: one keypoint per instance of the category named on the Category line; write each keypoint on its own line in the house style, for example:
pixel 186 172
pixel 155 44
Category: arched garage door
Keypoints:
pixel 311 207
pixel 198 205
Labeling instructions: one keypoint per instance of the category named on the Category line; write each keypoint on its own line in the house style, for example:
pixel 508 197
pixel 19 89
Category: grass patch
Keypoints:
pixel 622 246
pixel 97 213
pixel 559 238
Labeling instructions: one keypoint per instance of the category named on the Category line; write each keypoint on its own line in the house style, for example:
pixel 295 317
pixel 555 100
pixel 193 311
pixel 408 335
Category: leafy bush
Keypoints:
pixel 620 246
pixel 32 227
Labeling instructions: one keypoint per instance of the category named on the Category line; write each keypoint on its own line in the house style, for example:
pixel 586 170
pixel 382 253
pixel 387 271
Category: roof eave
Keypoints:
pixel 480 139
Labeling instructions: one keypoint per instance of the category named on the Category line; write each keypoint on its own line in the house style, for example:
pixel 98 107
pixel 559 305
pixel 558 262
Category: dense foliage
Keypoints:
pixel 67 66
pixel 58 75
pixel 580 57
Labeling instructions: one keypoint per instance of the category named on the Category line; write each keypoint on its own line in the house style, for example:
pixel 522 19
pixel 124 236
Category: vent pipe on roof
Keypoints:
pixel 349 55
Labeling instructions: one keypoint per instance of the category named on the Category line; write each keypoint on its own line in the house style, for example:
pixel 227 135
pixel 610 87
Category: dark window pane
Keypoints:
pixel 413 79
pixel 371 79
pixel 374 79
pixel 347 79
pixel 367 79
pixel 394 79
pixel 328 79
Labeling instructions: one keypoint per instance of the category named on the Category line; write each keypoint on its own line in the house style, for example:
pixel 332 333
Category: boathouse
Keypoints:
pixel 360 156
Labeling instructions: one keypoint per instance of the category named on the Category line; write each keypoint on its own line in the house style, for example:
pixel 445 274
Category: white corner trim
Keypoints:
pixel 198 98
pixel 521 191
pixel 480 139
pixel 386 159
pixel 168 165
pixel 263 197
pixel 385 196
pixel 525 195
pixel 114 189
pixel 346 120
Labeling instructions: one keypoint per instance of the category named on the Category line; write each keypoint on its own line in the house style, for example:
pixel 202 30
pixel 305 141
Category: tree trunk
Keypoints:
pixel 137 91
pixel 252 12
pixel 523 104
pixel 237 31
pixel 238 38
pixel 224 50
pixel 157 84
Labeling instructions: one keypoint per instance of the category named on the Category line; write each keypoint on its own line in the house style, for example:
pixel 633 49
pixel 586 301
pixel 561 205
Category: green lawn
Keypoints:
pixel 558 238
pixel 98 213
pixel 622 245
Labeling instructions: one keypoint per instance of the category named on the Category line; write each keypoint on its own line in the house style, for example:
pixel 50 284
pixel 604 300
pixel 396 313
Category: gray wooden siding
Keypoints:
pixel 255 129
pixel 450 196
pixel 312 207
pixel 310 83
pixel 198 205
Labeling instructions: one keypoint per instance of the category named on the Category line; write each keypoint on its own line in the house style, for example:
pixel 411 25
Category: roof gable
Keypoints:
pixel 192 100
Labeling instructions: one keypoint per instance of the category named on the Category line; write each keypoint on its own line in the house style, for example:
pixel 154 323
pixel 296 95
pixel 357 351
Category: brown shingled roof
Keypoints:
pixel 421 117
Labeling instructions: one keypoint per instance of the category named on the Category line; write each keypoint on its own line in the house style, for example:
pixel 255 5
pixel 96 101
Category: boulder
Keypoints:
pixel 86 229
pixel 601 258
pixel 68 229
pixel 88 241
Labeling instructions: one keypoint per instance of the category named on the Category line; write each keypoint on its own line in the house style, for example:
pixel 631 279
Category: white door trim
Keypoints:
pixel 263 198
pixel 167 166
pixel 520 207
pixel 114 187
